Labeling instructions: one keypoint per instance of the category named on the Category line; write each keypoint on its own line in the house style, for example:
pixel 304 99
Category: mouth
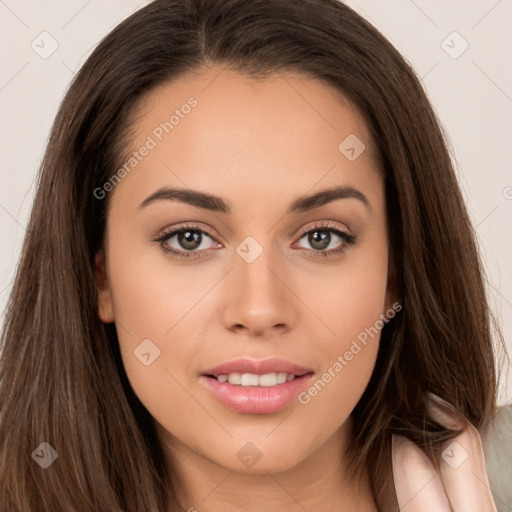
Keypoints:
pixel 257 380
pixel 256 387
pixel 248 371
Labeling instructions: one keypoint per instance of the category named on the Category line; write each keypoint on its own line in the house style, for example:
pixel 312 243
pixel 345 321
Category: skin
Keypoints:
pixel 460 483
pixel 259 145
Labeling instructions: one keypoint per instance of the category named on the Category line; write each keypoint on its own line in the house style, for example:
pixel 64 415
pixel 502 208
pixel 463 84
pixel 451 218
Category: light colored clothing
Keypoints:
pixel 498 458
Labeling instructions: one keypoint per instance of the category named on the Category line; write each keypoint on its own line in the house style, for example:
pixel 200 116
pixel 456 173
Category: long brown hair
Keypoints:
pixel 62 380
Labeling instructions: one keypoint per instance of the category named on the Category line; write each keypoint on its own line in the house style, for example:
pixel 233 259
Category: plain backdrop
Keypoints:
pixel 461 50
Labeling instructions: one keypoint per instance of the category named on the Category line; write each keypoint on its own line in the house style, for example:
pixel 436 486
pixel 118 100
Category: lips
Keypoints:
pixel 256 387
pixel 257 367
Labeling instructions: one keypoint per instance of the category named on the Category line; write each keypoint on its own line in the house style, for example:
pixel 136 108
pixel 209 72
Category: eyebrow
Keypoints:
pixel 217 204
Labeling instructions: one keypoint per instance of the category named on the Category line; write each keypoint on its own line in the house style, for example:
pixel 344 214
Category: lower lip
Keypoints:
pixel 257 399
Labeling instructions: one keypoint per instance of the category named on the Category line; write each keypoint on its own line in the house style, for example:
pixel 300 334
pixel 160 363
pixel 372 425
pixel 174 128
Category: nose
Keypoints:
pixel 260 299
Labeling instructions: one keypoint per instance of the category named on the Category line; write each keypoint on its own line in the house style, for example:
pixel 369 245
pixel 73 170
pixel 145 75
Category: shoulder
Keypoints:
pixel 497 445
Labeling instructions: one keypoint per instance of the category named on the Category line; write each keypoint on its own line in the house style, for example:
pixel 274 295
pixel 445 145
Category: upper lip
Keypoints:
pixel 258 367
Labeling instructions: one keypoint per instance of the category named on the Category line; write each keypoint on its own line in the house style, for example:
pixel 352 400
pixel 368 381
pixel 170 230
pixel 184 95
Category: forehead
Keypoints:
pixel 213 128
pixel 241 106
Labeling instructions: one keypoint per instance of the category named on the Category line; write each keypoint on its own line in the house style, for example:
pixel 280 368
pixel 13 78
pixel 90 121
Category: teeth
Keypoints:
pixel 235 378
pixel 251 379
pixel 283 377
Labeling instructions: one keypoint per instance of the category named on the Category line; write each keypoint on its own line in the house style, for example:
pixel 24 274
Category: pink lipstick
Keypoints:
pixel 256 387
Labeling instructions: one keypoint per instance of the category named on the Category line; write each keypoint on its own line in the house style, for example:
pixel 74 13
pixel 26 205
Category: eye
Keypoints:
pixel 189 241
pixel 322 235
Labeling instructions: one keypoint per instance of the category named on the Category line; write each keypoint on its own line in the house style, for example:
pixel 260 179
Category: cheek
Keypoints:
pixel 152 303
pixel 352 296
pixel 347 359
pixel 153 308
pixel 350 302
pixel 335 392
pixel 149 294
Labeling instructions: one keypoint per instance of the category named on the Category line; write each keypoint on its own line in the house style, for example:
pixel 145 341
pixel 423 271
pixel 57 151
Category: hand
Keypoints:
pixel 461 485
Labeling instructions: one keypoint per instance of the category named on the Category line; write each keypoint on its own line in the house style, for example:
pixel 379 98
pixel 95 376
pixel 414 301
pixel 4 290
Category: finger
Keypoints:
pixel 418 486
pixel 463 470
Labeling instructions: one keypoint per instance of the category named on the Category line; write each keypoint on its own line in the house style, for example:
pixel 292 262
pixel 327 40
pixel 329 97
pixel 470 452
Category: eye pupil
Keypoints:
pixel 323 240
pixel 189 239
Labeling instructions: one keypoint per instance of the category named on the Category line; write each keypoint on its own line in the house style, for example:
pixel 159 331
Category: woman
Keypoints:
pixel 249 279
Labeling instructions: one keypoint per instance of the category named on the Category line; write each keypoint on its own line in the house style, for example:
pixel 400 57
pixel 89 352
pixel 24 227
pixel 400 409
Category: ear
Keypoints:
pixel 105 305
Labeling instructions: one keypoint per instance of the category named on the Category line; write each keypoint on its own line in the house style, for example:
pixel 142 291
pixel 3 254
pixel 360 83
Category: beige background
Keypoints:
pixel 471 91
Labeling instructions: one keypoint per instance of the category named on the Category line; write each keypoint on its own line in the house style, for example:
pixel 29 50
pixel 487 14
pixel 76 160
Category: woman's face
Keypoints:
pixel 264 273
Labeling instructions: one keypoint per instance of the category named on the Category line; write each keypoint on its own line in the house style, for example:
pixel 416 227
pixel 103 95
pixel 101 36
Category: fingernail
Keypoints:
pixel 440 400
pixel 440 411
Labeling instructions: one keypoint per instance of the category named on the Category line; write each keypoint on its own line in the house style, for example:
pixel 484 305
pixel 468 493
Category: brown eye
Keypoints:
pixel 321 237
pixel 189 240
pixel 185 242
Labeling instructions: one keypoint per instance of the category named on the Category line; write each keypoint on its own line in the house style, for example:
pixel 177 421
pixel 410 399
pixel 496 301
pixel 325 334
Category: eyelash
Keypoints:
pixel 348 240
